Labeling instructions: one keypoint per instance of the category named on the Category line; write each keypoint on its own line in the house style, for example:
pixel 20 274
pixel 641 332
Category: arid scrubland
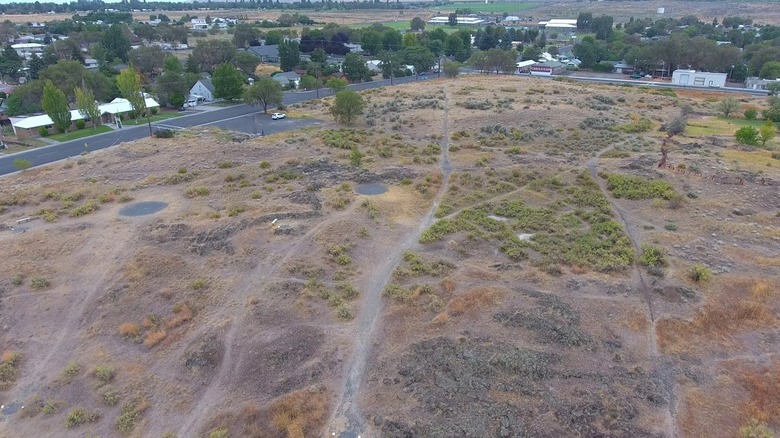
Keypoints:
pixel 530 271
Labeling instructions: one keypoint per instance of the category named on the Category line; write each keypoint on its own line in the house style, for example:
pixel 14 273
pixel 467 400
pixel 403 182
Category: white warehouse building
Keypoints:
pixel 462 21
pixel 693 78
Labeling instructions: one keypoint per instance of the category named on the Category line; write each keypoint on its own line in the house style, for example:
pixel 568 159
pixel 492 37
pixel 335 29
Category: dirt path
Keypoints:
pixel 347 420
pixel 231 321
pixel 638 279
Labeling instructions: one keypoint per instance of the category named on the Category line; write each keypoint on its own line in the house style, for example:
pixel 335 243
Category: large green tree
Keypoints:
pixel 56 106
pixel 419 57
pixel 347 107
pixel 26 99
pixel 247 62
pixel 115 42
pixel 228 82
pixel 87 106
pixel 147 59
pixel 129 83
pixel 208 54
pixel 71 74
pixel 10 62
pixel 355 68
pixel 417 24
pixel 289 55
pixel 243 34
pixel 264 92
pixel 770 70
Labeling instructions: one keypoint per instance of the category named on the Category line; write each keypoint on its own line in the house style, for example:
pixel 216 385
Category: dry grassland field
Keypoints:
pixel 529 272
pixel 761 12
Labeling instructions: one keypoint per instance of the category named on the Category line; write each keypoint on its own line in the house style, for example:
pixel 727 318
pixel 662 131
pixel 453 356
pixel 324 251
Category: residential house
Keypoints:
pixel 199 24
pixel 547 68
pixel 28 50
pixel 559 24
pixel 695 78
pixel 374 65
pixel 26 127
pixel 287 79
pixel 624 68
pixel 266 52
pixel 354 48
pixel 510 20
pixel 90 63
pixel 202 91
pixel 754 83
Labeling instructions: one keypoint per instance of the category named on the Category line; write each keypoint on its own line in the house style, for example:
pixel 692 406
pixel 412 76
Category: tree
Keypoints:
pixel 452 19
pixel 770 70
pixel 171 64
pixel 208 54
pixel 772 113
pixel 766 132
pixel 371 42
pixel 479 60
pixel 246 62
pixel 584 20
pixel 336 84
pixel 228 82
pixel 308 82
pixel 244 34
pixel 129 83
pixel 56 106
pixel 147 59
pixel 419 57
pixel 728 106
pixel 115 42
pixel 10 62
pixel 176 99
pixel 318 55
pixel 87 106
pixel 289 55
pixel 531 53
pixel 773 88
pixel 25 99
pixel 71 74
pixel 355 68
pixel 417 24
pixel 451 69
pixel 265 92
pixel 347 107
pixel 602 26
pixel 747 135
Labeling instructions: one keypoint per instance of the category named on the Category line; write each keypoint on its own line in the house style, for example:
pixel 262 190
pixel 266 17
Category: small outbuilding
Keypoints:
pixel 693 78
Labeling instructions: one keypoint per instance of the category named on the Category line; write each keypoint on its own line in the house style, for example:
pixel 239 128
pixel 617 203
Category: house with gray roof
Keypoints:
pixel 268 53
pixel 287 78
pixel 202 91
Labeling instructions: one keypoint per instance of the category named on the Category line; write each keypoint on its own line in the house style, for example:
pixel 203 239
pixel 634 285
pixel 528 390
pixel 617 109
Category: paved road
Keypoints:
pixel 239 117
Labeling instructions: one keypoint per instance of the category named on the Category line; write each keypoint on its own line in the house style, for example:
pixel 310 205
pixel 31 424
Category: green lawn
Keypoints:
pixel 477 6
pixel 719 126
pixel 81 133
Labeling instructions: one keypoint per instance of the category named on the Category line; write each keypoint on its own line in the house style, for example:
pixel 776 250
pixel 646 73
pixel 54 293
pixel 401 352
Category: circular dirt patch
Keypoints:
pixel 143 208
pixel 371 189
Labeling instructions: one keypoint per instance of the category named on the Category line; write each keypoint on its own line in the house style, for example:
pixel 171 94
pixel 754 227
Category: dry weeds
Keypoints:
pixel 300 413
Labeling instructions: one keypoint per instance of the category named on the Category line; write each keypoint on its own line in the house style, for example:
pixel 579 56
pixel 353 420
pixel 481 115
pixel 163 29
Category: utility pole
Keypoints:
pixel 317 70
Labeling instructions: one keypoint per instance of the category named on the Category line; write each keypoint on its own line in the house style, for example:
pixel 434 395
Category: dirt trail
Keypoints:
pixel 638 279
pixel 231 319
pixel 347 420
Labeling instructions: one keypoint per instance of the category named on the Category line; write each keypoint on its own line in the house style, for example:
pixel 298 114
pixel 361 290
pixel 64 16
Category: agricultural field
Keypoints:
pixel 525 268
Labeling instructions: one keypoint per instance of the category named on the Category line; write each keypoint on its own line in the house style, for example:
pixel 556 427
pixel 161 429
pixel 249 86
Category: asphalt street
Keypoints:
pixel 239 117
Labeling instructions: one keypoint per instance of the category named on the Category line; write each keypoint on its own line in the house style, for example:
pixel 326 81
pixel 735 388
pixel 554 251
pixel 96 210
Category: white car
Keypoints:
pixel 278 116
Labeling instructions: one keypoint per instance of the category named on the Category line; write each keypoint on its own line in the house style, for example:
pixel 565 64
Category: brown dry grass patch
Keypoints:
pixel 742 305
pixel 763 387
pixel 155 337
pixel 129 329
pixel 301 413
pixel 470 301
pixel 182 313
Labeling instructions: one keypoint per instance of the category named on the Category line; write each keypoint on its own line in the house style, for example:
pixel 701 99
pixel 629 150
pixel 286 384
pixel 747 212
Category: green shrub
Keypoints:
pixel 225 164
pixel 751 113
pixel 192 192
pixel 43 131
pixel 700 274
pixel 40 283
pixel 164 133
pixel 22 164
pixel 344 313
pixel 634 187
pixel 653 256
pixel 105 374
pixel 86 208
pixel 80 416
pixel 756 429
pixel 747 135
pixel 154 111
pixel 81 124
pixel 125 423
pixel 110 397
pixel 671 227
